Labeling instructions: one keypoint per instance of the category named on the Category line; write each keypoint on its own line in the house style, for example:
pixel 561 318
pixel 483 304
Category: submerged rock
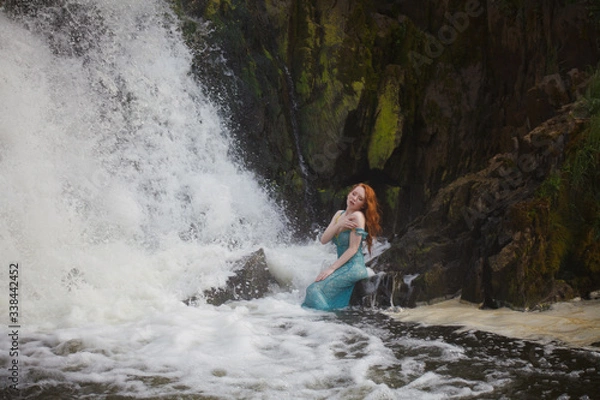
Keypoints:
pixel 385 290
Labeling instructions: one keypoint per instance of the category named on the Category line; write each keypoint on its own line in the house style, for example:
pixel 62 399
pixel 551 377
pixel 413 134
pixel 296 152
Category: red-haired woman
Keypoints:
pixel 348 229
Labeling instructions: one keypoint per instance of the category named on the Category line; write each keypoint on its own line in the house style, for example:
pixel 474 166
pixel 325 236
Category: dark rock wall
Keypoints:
pixel 434 103
pixel 406 95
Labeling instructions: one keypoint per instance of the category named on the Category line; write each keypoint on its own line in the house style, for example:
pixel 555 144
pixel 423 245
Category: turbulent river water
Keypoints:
pixel 120 198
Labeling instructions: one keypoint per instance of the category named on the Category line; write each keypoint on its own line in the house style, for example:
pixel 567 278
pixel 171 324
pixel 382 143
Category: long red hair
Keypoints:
pixel 371 211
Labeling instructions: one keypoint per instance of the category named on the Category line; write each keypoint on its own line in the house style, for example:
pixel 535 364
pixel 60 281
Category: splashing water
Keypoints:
pixel 115 167
pixel 119 199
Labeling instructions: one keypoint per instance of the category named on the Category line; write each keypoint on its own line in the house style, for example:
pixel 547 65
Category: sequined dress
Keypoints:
pixel 334 291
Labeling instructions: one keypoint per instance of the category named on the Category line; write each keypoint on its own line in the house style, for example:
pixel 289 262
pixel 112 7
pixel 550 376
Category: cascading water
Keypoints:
pixel 119 200
pixel 113 162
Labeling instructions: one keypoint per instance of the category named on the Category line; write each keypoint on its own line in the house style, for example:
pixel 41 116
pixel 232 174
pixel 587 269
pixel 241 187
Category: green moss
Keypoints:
pixel 541 253
pixel 189 28
pixel 581 204
pixel 560 241
pixel 358 86
pixel 387 127
pixel 432 283
pixel 289 155
pixel 214 7
pixel 333 34
pixel 422 250
pixel 563 220
pixel 304 84
pixel 249 76
pixel 329 63
pixel 550 188
pixel 298 182
pixel 593 90
pixel 583 167
pixel 392 195
pixel 268 55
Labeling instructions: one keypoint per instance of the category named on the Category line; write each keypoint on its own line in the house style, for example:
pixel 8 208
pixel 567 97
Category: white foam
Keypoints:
pixel 575 323
pixel 267 346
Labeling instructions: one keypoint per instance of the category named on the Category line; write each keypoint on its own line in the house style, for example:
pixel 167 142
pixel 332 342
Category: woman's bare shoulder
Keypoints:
pixel 360 217
pixel 359 214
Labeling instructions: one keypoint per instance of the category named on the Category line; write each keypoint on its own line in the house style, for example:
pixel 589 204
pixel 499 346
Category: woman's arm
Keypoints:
pixel 332 229
pixel 340 222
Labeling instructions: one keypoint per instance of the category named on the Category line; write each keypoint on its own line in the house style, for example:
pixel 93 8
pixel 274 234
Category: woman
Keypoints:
pixel 333 287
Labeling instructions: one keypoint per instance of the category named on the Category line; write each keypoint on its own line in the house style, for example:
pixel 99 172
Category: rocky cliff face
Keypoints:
pixel 455 111
pixel 476 122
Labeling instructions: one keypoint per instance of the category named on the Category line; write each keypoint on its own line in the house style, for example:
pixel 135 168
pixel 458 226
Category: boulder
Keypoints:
pixel 385 290
pixel 252 280
pixel 496 237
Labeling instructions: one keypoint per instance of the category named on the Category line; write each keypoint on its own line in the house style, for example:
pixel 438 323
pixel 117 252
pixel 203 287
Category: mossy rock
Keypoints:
pixel 387 130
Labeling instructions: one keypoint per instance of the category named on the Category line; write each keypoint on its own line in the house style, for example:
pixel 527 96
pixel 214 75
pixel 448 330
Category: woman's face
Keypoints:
pixel 356 199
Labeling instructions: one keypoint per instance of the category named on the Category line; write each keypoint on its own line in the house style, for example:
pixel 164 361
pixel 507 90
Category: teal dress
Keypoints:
pixel 334 291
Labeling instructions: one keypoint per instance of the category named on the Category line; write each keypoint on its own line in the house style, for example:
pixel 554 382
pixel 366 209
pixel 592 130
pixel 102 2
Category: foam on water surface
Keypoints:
pixel 575 323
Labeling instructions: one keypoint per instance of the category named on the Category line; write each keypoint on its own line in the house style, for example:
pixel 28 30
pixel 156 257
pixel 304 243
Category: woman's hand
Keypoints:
pixel 324 274
pixel 340 222
pixel 347 221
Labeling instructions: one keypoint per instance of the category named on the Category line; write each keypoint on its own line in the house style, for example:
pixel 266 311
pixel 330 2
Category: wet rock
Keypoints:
pixel 384 290
pixel 69 347
pixel 488 235
pixel 252 280
pixel 373 292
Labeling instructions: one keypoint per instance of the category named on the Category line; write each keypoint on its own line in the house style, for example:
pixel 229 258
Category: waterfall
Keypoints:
pixel 118 191
pixel 294 123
